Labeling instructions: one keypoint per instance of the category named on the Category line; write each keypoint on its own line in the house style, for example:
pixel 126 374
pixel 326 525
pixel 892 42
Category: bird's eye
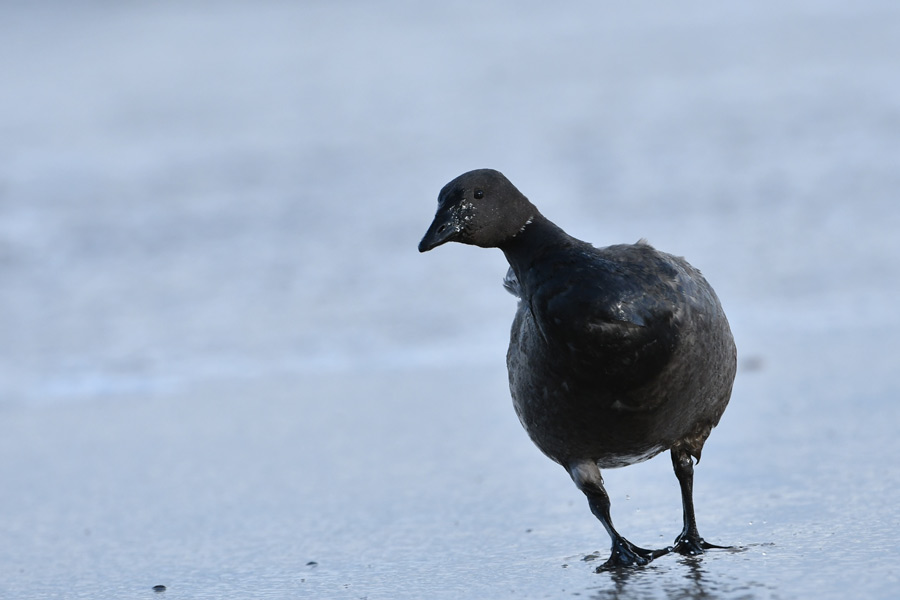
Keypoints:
pixel 479 194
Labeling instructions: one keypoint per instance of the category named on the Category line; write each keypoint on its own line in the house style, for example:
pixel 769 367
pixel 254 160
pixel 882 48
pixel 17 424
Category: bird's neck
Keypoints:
pixel 538 237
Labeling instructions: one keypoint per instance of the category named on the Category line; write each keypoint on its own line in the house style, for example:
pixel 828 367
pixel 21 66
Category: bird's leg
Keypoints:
pixel 688 541
pixel 586 475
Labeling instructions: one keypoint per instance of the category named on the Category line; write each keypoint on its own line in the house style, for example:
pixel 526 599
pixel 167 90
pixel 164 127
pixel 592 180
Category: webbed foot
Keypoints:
pixel 693 545
pixel 626 554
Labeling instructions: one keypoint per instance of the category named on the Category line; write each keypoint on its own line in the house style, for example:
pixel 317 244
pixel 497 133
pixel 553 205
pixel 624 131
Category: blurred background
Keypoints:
pixel 224 367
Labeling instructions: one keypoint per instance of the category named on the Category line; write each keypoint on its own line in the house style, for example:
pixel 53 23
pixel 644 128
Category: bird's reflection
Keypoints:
pixel 695 577
pixel 645 582
pixel 688 577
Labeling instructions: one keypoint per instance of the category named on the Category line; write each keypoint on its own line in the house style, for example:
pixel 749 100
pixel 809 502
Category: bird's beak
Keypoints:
pixel 445 228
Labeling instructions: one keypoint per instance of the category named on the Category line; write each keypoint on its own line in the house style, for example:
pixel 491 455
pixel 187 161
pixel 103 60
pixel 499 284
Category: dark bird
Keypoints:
pixel 615 354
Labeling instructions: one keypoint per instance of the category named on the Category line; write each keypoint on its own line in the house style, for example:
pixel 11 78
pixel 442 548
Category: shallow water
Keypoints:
pixel 225 369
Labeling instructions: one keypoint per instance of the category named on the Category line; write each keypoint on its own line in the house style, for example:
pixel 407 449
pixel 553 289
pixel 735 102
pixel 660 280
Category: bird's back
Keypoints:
pixel 617 353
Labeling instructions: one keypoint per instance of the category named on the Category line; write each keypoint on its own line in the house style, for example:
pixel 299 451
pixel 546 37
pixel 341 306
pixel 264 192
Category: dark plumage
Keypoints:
pixel 615 354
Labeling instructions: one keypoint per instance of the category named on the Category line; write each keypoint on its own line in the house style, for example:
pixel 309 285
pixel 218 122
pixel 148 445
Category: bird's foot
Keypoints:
pixel 692 545
pixel 626 554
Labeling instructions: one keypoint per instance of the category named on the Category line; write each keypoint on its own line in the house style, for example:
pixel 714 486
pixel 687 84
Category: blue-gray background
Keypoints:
pixel 225 368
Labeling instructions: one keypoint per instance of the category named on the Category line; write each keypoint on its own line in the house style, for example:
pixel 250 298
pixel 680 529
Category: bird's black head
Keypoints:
pixel 481 208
